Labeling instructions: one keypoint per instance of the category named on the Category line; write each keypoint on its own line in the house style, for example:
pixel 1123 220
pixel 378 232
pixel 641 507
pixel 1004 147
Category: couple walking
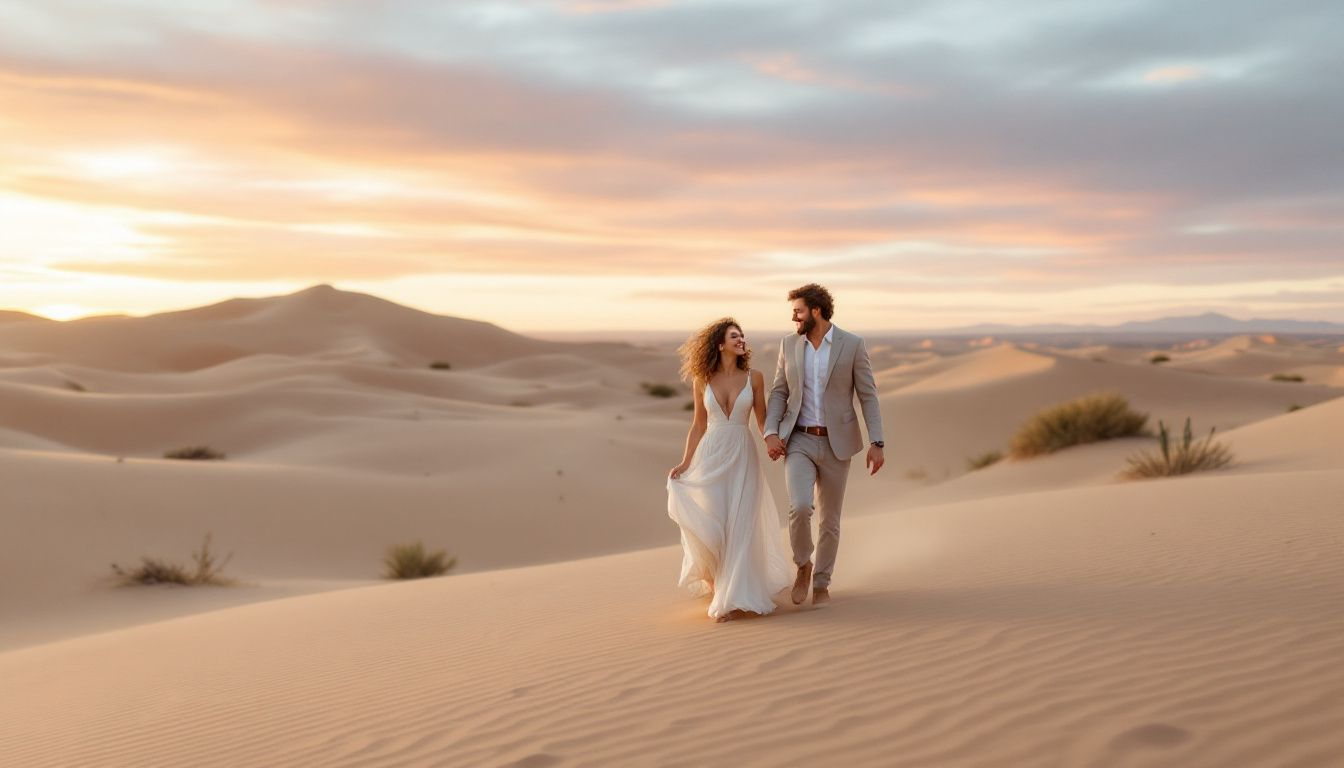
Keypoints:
pixel 718 494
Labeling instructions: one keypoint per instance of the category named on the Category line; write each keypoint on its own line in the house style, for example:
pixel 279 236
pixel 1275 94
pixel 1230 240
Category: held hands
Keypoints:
pixel 875 459
pixel 676 471
pixel 774 447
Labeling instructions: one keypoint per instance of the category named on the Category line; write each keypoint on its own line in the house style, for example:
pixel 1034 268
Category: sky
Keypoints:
pixel 641 165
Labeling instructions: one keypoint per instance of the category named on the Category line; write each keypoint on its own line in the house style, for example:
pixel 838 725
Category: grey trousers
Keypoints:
pixel 810 463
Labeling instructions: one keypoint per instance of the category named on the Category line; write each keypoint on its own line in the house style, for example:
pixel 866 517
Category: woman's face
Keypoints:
pixel 734 343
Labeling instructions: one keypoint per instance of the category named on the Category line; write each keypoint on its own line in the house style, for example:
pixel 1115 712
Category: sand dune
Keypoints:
pixel 1307 439
pixel 11 316
pixel 544 475
pixel 1069 627
pixel 991 366
pixel 317 322
pixel 1261 356
pixel 1034 612
pixel 973 403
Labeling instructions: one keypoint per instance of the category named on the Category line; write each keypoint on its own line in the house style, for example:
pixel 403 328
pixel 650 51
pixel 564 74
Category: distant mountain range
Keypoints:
pixel 1207 323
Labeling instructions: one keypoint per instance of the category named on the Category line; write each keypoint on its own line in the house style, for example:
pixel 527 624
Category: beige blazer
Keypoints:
pixel 848 373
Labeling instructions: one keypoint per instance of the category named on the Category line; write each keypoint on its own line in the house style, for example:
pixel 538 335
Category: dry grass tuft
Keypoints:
pixel 659 390
pixel 1190 456
pixel 411 561
pixel 1159 358
pixel 196 452
pixel 208 570
pixel 1293 377
pixel 1088 419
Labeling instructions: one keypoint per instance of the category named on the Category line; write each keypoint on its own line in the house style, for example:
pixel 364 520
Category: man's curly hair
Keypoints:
pixel 816 297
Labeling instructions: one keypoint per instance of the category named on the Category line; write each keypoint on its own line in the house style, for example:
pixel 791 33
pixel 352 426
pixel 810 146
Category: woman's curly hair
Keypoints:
pixel 700 356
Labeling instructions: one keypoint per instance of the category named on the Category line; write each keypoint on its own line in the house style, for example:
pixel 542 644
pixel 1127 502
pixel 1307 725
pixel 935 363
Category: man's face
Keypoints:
pixel 804 319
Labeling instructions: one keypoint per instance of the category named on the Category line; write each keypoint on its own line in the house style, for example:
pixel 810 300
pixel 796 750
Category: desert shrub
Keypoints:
pixel 1189 456
pixel 411 561
pixel 984 460
pixel 918 474
pixel 659 390
pixel 152 570
pixel 440 365
pixel 689 406
pixel 1159 358
pixel 1287 377
pixel 520 404
pixel 1088 419
pixel 198 452
pixel 1294 407
pixel 73 385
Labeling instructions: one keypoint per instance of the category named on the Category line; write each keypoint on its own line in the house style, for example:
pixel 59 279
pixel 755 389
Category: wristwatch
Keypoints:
pixel 879 444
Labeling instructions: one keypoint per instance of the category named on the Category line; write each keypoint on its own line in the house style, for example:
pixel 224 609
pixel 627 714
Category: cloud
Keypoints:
pixel 1057 146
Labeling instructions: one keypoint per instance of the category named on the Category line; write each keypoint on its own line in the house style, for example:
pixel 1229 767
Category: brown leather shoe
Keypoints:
pixel 801 583
pixel 821 595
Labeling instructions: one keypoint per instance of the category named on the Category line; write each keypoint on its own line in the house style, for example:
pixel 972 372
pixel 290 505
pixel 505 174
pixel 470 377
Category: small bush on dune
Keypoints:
pixel 1190 456
pixel 985 459
pixel 1287 377
pixel 152 570
pixel 659 390
pixel 197 452
pixel 1159 358
pixel 411 561
pixel 1294 407
pixel 1088 419
pixel 71 384
pixel 440 365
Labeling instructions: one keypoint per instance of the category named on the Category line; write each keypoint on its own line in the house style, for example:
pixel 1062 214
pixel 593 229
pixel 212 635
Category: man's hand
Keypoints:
pixel 875 459
pixel 774 447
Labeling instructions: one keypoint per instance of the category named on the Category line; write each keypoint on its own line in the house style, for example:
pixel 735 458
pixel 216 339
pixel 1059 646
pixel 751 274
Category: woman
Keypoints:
pixel 717 494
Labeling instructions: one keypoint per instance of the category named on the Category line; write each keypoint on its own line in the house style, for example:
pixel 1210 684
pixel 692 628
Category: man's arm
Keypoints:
pixel 866 387
pixel 779 394
pixel 779 399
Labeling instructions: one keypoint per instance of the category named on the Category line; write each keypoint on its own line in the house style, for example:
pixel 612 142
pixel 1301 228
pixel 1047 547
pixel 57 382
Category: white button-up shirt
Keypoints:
pixel 815 363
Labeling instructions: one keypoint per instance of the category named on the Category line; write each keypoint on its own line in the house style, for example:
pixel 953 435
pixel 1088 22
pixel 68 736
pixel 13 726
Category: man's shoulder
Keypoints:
pixel 841 333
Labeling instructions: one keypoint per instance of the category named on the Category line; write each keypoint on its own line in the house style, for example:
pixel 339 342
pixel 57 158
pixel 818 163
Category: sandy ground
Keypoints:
pixel 1038 612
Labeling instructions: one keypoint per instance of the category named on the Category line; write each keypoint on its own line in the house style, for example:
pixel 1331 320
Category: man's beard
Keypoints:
pixel 807 326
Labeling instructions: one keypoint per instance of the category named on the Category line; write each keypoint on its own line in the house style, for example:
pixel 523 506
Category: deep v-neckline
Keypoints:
pixel 732 404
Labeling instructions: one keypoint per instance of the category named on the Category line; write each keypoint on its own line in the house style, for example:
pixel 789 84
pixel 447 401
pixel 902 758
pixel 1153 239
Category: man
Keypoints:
pixel 820 370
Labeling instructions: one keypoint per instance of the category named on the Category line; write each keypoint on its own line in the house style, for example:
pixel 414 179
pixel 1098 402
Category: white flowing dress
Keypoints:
pixel 730 531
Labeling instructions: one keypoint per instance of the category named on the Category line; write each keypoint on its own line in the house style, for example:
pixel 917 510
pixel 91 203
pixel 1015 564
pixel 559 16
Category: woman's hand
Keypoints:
pixel 675 474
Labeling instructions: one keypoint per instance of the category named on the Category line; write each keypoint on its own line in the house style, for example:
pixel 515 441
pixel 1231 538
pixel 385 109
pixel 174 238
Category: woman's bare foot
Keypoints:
pixel 736 613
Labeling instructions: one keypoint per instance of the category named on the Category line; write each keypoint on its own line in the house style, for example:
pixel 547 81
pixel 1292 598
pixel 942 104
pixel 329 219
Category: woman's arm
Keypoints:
pixel 699 421
pixel 758 399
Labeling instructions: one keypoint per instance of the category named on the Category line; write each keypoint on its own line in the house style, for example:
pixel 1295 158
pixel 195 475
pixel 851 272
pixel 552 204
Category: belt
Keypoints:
pixel 818 431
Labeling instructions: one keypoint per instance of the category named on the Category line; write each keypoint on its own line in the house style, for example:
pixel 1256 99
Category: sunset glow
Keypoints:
pixel 579 165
